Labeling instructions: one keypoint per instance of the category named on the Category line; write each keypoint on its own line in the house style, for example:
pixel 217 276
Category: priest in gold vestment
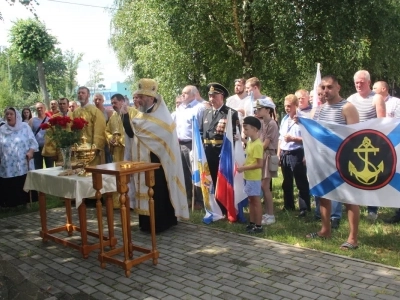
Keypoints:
pixel 115 130
pixel 95 129
pixel 151 137
pixel 116 136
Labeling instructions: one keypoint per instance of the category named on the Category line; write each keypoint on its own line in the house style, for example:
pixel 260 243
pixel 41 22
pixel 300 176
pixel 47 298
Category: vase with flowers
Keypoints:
pixel 65 133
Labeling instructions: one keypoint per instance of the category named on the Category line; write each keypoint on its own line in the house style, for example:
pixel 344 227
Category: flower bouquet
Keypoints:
pixel 65 133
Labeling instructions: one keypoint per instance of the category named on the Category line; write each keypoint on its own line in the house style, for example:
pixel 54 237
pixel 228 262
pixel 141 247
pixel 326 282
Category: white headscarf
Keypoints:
pixel 6 128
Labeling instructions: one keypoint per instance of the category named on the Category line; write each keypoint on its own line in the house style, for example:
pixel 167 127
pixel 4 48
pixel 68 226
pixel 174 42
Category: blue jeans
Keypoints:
pixel 373 209
pixel 336 211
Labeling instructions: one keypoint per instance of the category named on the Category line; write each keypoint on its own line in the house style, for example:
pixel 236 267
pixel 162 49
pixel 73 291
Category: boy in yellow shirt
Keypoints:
pixel 252 172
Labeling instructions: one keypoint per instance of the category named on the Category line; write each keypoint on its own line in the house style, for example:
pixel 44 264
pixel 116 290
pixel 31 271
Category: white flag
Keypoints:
pixel 317 82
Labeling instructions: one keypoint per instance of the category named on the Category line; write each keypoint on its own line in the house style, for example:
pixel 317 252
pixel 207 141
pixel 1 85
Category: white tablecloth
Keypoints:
pixel 72 187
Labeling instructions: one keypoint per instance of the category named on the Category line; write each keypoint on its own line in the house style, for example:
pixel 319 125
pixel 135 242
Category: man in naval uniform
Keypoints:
pixel 212 128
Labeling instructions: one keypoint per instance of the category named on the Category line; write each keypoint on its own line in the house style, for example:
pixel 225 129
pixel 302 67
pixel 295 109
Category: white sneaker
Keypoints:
pixel 268 220
pixel 372 216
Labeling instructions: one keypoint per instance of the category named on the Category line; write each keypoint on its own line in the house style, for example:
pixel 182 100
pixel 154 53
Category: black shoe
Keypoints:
pixel 392 220
pixel 255 230
pixel 250 226
pixel 335 223
pixel 302 214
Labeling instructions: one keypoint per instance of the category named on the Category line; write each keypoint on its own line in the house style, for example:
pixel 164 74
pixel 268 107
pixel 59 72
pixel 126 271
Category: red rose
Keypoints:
pixel 44 126
pixel 78 124
pixel 54 121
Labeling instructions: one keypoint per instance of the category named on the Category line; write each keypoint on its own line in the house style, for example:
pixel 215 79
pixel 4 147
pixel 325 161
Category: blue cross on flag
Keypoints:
pixel 355 164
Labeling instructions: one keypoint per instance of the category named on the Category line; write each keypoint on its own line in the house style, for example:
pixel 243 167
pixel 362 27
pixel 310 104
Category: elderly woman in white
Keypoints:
pixel 17 145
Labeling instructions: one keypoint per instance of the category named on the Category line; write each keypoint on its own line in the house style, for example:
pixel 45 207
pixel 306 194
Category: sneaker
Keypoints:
pixel 255 230
pixel 250 226
pixel 268 220
pixel 302 214
pixel 372 216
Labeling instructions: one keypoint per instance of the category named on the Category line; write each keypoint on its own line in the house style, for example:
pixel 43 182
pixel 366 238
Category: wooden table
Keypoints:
pixel 47 181
pixel 122 172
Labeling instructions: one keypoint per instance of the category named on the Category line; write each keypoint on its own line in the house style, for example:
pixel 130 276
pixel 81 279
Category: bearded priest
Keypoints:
pixel 95 129
pixel 151 137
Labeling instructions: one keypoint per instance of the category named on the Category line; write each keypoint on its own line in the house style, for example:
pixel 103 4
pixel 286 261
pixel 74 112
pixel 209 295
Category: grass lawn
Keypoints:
pixel 378 242
pixel 51 202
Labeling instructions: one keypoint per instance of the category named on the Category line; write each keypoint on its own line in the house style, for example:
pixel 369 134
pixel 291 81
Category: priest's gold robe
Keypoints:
pixel 115 131
pixel 94 131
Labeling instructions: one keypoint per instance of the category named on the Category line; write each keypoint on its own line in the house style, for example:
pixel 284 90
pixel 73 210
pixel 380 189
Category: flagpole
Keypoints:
pixel 192 197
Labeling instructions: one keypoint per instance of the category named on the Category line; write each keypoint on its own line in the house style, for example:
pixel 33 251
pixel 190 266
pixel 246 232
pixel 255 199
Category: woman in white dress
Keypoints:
pixel 17 144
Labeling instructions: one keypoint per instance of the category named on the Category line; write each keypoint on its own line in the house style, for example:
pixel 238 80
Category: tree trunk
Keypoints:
pixel 42 83
pixel 248 40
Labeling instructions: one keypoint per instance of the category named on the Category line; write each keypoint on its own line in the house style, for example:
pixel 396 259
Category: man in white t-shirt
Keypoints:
pixel 236 101
pixel 392 103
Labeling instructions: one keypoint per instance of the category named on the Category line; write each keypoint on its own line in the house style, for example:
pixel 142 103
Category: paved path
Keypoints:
pixel 196 262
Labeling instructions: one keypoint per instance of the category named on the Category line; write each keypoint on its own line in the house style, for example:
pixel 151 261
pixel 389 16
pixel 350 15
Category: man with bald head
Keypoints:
pixel 53 108
pixel 392 103
pixel 304 108
pixel 392 111
pixel 190 107
pixel 369 106
pixel 72 105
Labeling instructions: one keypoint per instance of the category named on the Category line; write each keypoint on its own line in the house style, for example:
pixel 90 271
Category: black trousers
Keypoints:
pixel 293 167
pixel 213 153
pixel 38 160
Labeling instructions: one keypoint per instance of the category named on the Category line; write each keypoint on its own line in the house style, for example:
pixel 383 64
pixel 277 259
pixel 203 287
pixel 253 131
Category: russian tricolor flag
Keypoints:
pixel 202 178
pixel 230 184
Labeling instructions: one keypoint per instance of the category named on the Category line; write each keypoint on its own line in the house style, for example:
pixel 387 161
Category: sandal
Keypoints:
pixel 347 246
pixel 315 235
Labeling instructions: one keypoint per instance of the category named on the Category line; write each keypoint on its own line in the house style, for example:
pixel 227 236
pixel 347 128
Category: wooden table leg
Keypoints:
pixel 128 218
pixel 110 217
pixel 68 212
pixel 98 185
pixel 43 215
pixel 83 226
pixel 122 189
pixel 150 182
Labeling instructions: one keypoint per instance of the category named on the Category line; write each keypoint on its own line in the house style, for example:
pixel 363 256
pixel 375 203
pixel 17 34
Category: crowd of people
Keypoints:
pixel 148 132
pixel 263 138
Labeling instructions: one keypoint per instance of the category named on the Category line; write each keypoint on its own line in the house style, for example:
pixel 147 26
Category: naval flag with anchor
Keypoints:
pixel 354 164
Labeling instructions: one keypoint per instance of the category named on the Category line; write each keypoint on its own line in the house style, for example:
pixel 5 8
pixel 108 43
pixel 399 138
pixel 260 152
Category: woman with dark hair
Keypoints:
pixel 17 145
pixel 26 115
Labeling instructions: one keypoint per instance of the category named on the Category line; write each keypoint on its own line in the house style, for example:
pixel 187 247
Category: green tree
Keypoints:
pixel 95 74
pixel 25 75
pixel 31 41
pixel 29 4
pixel 72 61
pixel 181 42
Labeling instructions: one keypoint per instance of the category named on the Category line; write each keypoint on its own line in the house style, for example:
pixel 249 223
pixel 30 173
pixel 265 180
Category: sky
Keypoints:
pixel 85 28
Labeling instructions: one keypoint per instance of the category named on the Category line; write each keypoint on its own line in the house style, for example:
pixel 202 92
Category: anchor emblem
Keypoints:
pixel 369 175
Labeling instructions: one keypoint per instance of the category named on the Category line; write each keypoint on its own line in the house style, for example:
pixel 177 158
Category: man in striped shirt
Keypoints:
pixel 337 110
pixel 369 106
